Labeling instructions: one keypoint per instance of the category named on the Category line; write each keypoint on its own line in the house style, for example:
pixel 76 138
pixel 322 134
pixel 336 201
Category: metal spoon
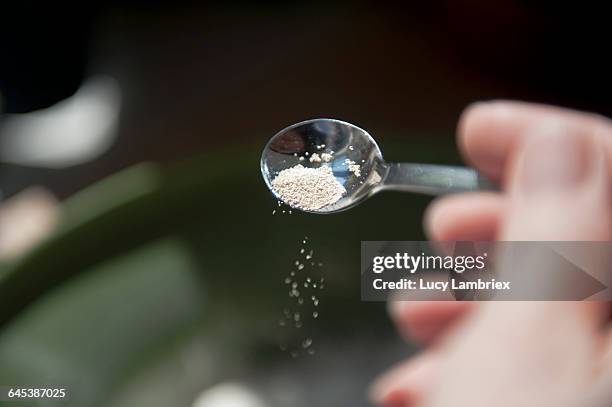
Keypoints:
pixel 348 141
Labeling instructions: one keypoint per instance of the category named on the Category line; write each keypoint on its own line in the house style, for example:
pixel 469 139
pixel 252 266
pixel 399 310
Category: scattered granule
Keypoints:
pixel 327 157
pixel 305 304
pixel 301 158
pixel 352 167
pixel 308 188
pixel 315 158
pixel 351 148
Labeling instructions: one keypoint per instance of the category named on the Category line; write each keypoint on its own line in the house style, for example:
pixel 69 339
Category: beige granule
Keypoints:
pixel 327 157
pixel 308 188
pixel 315 158
pixel 353 167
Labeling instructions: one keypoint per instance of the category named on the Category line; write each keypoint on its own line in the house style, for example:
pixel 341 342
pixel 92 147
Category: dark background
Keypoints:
pixel 197 78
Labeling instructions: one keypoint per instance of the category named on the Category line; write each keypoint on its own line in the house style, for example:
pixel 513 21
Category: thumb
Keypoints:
pixel 557 190
pixel 558 187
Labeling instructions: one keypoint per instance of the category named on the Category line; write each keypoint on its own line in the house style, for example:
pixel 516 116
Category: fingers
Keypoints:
pixel 558 188
pixel 554 163
pixel 473 216
pixel 489 132
pixel 425 321
pixel 460 217
pixel 405 384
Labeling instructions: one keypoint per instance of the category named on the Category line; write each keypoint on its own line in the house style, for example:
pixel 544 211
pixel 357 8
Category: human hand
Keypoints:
pixel 555 167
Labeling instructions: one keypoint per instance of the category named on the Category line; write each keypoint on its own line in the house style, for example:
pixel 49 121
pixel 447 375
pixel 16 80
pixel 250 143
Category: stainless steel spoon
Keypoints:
pixel 348 141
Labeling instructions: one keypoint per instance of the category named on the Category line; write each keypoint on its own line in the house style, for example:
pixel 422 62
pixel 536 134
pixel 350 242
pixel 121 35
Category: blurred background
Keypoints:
pixel 140 263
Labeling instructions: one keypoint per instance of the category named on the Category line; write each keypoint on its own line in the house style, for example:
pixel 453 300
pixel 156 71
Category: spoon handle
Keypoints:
pixel 433 179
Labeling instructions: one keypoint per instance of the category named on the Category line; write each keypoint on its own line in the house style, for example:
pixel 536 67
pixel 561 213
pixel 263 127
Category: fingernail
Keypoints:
pixel 554 158
pixel 389 398
pixel 395 398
